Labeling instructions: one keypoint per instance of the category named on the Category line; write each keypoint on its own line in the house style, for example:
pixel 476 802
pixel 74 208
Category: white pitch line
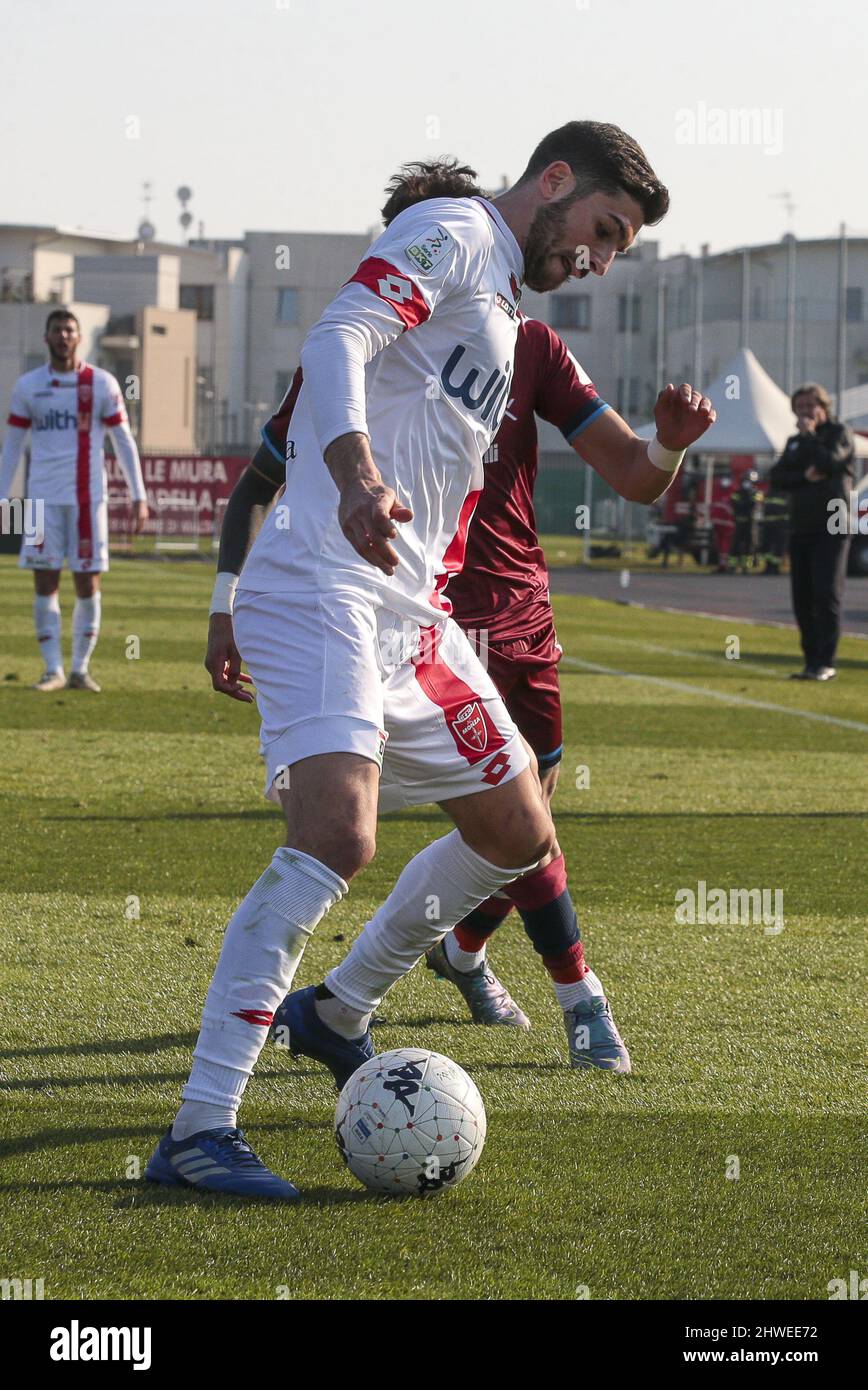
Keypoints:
pixel 718 659
pixel 685 688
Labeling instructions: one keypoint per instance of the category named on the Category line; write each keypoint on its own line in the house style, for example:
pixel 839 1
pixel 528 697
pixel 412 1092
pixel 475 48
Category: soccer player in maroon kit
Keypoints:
pixel 502 595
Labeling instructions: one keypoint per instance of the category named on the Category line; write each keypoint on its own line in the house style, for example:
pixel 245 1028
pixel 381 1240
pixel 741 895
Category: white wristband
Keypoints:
pixel 223 593
pixel 668 460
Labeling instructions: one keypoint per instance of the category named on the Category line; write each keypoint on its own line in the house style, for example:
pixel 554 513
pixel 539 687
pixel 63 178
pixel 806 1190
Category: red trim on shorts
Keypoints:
pixel 475 734
pixel 84 393
pixel 406 300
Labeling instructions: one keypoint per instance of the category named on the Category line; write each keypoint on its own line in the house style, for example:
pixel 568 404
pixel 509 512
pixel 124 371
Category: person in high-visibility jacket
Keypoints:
pixel 775 528
pixel 745 502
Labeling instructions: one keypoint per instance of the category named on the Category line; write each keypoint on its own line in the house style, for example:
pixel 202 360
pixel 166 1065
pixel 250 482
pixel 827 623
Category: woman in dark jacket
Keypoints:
pixel 816 469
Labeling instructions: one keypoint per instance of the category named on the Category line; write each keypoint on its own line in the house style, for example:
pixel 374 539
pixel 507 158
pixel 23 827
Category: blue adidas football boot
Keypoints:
pixel 310 1037
pixel 594 1038
pixel 216 1160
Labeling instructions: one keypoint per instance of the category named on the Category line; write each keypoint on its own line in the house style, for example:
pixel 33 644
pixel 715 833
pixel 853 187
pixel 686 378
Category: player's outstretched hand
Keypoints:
pixel 140 516
pixel 682 416
pixel 223 659
pixel 367 514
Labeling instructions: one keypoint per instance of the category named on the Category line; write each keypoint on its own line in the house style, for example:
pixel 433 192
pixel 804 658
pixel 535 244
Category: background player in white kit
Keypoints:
pixel 340 620
pixel 68 405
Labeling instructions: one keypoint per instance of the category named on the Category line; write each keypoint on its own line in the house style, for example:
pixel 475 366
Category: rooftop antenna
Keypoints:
pixel 788 205
pixel 147 231
pixel 184 194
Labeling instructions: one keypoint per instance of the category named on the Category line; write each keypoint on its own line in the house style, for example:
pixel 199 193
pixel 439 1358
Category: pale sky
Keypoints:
pixel 292 114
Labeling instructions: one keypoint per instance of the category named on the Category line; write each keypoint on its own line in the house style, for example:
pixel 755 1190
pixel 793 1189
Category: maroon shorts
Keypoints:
pixel 525 671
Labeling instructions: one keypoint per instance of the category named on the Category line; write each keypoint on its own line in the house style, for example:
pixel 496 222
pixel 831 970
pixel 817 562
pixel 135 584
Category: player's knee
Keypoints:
pixel 346 850
pixel 527 840
pixel 539 842
pixel 46 582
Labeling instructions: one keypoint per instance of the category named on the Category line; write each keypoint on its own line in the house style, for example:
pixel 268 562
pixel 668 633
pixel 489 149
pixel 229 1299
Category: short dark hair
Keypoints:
pixel 604 159
pixel 422 179
pixel 60 314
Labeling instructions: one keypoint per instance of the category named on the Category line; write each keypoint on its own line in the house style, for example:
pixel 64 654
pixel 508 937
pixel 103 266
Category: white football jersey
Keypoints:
pixel 67 425
pixel 432 313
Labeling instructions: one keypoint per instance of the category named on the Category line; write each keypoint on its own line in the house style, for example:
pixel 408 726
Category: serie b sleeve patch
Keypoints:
pixel 427 251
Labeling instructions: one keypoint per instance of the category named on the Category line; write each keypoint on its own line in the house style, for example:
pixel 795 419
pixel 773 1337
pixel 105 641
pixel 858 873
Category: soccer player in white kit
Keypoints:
pixel 68 405
pixel 369 694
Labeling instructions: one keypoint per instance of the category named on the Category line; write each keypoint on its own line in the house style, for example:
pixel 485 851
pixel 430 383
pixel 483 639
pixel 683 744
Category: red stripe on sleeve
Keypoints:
pixel 117 419
pixel 396 289
pixel 19 421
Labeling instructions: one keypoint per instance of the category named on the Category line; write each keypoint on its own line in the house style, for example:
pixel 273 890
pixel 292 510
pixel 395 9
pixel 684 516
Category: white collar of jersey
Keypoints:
pixel 514 250
pixel 72 371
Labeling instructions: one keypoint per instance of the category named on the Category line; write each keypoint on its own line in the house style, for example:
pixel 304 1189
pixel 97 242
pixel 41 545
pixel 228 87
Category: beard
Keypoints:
pixel 541 272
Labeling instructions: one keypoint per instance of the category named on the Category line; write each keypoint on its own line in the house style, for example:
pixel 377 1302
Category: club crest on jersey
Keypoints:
pixel 470 726
pixel 515 287
pixel 431 248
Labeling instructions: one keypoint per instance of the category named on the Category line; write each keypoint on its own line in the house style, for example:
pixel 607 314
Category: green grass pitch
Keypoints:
pixel 747 1045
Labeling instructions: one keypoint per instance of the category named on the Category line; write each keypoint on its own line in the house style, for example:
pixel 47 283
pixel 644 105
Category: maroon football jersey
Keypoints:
pixel 503 587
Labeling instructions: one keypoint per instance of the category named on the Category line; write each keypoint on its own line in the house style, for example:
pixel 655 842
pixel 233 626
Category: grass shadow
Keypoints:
pixel 47 1139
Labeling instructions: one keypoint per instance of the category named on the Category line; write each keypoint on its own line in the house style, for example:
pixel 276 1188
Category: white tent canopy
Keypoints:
pixel 754 415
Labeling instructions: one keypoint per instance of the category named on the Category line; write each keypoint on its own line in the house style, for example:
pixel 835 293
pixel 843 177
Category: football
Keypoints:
pixel 410 1122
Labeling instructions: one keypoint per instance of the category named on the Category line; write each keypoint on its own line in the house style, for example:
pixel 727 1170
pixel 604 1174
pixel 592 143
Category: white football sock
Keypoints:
pixel 579 991
pixel 85 630
pixel 196 1115
pixel 46 620
pixel 434 891
pixel 263 945
pixel 460 959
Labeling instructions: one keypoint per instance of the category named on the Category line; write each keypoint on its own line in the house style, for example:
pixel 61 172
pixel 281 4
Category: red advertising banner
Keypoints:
pixel 184 494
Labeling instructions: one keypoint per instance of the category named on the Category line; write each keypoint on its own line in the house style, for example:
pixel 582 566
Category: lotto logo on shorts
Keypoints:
pixel 497 769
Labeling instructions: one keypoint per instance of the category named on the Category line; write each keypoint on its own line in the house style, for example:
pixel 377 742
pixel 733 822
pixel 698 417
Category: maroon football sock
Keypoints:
pixel 473 931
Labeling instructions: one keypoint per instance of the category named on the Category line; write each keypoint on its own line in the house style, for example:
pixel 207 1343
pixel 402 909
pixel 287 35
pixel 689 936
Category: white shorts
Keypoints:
pixel 69 534
pixel 335 674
